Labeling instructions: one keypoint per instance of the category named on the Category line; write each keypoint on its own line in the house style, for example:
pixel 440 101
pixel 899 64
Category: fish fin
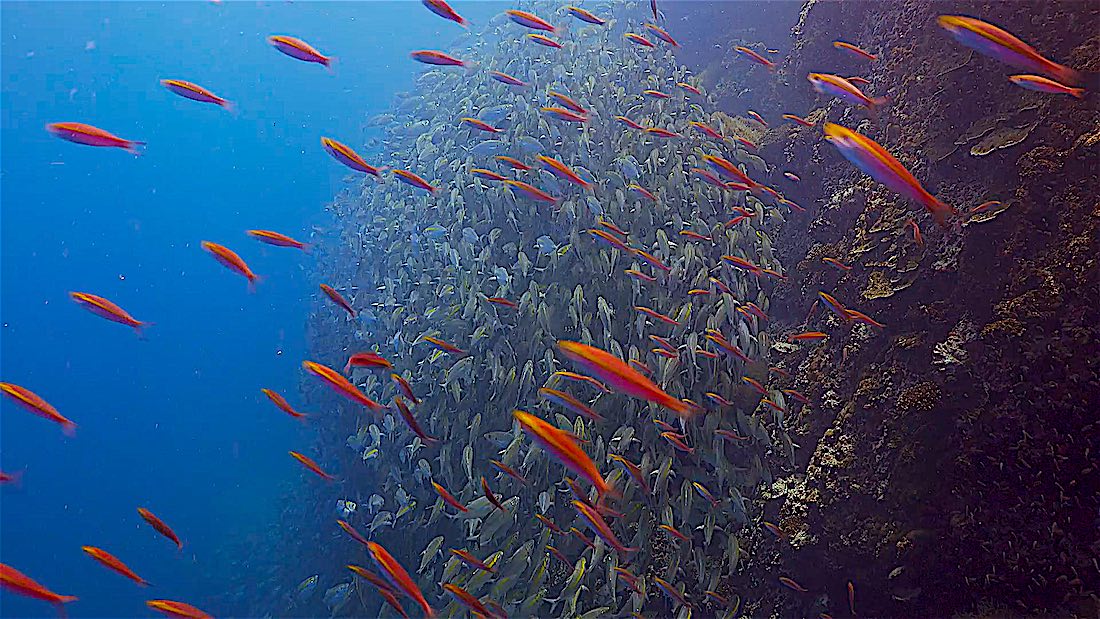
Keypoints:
pixel 139 328
pixel 230 107
pixel 253 282
pixel 471 67
pixel 1066 75
pixel 16 478
pixel 132 148
pixel 940 211
pixel 307 248
pixel 69 429
pixel 330 63
pixel 1077 92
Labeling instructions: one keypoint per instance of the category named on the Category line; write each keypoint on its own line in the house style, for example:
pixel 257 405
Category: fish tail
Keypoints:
pixel 1077 92
pixel 1066 76
pixel 253 282
pixel 229 107
pixel 132 147
pixel 940 211
pixel 69 428
pixel 330 64
pixel 139 328
pixel 307 248
pixel 471 67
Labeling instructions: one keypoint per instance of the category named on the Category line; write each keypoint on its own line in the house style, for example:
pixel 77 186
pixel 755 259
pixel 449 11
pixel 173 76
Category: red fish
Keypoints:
pixel 473 561
pixel 757 58
pixel 345 155
pixel 561 170
pixel 842 89
pixel 195 93
pixel 559 556
pixel 656 315
pixel 370 576
pixel 106 309
pixel 636 274
pixel 311 465
pixel 11 478
pixel 674 532
pixel 797 396
pixel 350 530
pixel 706 129
pixel 662 133
pixel 444 10
pixel 229 259
pixel 570 402
pixel 585 16
pixel 178 609
pixel 488 492
pixel 758 118
pixel 159 526
pixel 549 524
pixel 688 87
pixel 1043 84
pixel 727 169
pixel 836 263
pixel 612 227
pixel 114 563
pixel 509 80
pixel 443 346
pixel 279 240
pixel 638 39
pixel 755 384
pixel 530 20
pixel 854 50
pixel 488 175
pixel 864 318
pixel 411 421
pixel 88 135
pixel 514 163
pixel 561 113
pixel 437 58
pixel 501 301
pixel 340 385
pixel 630 579
pixel 283 405
pixel 544 40
pixel 917 238
pixel 297 48
pixel 35 404
pixel 563 446
pixel 531 191
pixel 629 123
pixel 567 102
pixel 790 584
pixel 610 238
pixel 808 336
pixel 449 498
pixel 366 360
pixel 480 125
pixel 509 471
pixel 677 441
pixel 600 527
pixel 798 119
pixel 588 379
pixel 412 179
pixel 651 260
pixel 338 299
pixel 996 43
pixel 634 471
pixel 619 376
pixel 582 537
pixel 694 235
pixel 467 599
pixel 709 354
pixel 642 192
pixel 662 34
pixel 730 435
pixel 19 583
pixel 774 530
pixel 405 388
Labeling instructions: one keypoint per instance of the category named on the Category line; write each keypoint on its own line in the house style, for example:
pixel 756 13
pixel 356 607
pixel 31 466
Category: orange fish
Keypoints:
pixel 842 89
pixel 561 113
pixel 444 346
pixel 636 274
pixel 311 465
pixel 370 577
pixel 341 385
pixel 836 263
pixel 706 129
pixel 19 583
pixel 366 360
pixel 1044 84
pixel 563 446
pixel 549 524
pixel 233 262
pixel 600 527
pixel 662 34
pixel 612 227
pixel 449 498
pixel 338 299
pixel 638 39
pixel 570 402
pixel 33 403
pixel 567 102
pixel 297 48
pixel 855 50
pixel 350 530
pixel 437 58
pixel 195 92
pixel 444 10
pixel 278 240
pixel 694 235
pixel 178 609
pixel 651 260
pixel 558 555
pixel 345 155
pixel 619 376
pixel 88 135
pixel 488 175
pixel 755 57
pixel 500 301
pixel 656 315
pixel 662 133
pixel 677 441
pixel 880 165
pixel 916 232
pixel 864 318
pixel 159 526
pixel 398 577
pixel 791 584
pixel 488 492
pixel 674 532
pixel 629 123
pixel 283 405
pixel 112 562
pixel 530 20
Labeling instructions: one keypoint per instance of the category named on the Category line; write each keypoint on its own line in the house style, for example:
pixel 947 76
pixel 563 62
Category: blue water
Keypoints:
pixel 175 423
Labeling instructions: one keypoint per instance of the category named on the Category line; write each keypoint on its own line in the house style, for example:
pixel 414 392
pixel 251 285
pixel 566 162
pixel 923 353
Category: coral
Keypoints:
pixel 921 397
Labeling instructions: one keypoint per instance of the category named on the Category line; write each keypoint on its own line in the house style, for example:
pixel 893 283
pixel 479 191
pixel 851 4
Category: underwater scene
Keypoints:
pixel 648 309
